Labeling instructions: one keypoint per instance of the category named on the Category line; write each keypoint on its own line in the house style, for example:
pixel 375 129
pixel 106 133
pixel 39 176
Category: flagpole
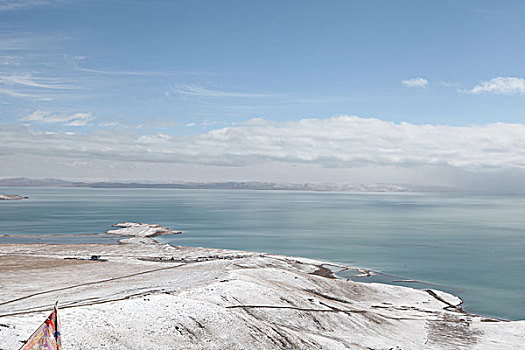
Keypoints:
pixel 57 331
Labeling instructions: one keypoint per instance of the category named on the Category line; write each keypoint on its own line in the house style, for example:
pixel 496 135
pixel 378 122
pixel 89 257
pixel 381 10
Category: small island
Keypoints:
pixel 141 230
pixel 12 197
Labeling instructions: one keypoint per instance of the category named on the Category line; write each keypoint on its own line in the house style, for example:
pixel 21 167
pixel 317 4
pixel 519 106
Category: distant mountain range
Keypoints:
pixel 22 181
pixel 324 187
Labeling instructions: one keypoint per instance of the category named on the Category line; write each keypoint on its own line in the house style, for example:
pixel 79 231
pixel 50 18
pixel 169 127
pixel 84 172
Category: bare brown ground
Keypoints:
pixel 22 263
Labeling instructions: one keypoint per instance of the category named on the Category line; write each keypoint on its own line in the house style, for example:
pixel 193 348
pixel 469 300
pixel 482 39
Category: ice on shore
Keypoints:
pixel 153 296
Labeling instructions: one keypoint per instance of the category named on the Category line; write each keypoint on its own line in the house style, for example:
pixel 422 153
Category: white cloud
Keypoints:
pixel 6 5
pixel 80 119
pixel 13 93
pixel 47 117
pixel 339 142
pixel 108 124
pixel 27 86
pixel 415 82
pixel 29 81
pixel 136 73
pixel 76 59
pixel 18 44
pixel 500 85
pixel 9 61
pixel 199 91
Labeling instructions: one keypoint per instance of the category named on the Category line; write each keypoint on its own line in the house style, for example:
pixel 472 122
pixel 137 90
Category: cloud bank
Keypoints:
pixel 338 142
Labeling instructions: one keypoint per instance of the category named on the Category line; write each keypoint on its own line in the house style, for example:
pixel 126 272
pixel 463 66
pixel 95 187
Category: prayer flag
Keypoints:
pixel 47 336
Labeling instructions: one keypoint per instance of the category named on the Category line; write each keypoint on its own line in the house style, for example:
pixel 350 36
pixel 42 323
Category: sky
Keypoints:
pixel 415 92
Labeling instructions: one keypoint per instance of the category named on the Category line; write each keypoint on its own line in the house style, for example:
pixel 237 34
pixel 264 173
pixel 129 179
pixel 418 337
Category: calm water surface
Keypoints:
pixel 472 246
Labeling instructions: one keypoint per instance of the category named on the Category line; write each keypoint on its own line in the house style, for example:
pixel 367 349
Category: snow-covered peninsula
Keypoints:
pixel 155 296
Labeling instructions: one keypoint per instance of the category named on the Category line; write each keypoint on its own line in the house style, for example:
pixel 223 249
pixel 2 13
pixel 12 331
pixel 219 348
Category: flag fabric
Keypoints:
pixel 47 336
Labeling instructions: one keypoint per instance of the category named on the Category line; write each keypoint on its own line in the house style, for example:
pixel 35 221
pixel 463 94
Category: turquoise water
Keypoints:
pixel 472 246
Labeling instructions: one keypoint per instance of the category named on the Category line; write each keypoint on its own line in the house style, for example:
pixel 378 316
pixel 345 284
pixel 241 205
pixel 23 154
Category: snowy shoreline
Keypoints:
pixel 144 295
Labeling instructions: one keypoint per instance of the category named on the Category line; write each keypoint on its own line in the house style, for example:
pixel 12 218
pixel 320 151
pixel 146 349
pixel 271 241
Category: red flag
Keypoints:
pixel 47 336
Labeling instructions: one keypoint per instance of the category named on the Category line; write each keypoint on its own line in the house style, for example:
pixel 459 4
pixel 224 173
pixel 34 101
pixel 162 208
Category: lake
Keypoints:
pixel 470 245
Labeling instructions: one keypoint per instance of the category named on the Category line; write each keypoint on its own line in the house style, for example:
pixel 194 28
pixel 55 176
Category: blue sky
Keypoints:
pixel 182 69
